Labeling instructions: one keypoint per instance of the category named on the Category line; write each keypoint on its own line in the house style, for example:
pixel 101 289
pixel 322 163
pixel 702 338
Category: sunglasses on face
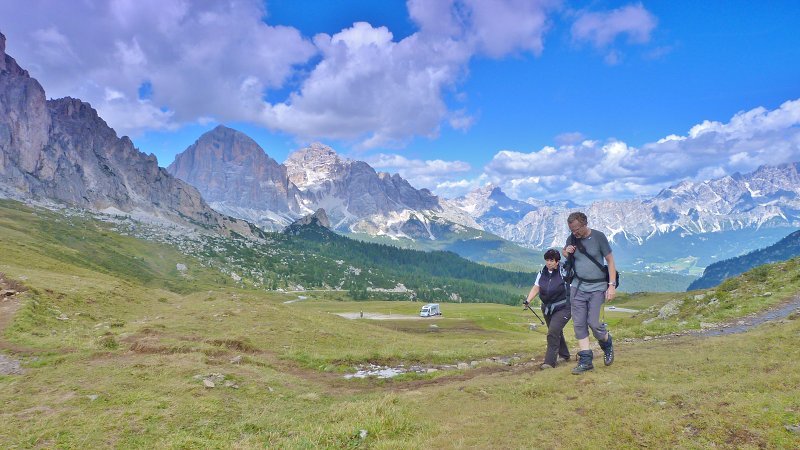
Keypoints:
pixel 576 229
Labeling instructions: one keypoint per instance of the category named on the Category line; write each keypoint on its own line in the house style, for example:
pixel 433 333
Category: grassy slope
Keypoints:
pixel 138 332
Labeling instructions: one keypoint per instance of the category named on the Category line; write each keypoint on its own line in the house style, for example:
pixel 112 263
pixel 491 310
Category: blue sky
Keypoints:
pixel 550 99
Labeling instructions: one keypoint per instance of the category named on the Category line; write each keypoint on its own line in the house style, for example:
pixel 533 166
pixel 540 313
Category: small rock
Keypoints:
pixel 208 383
pixel 707 325
pixel 462 366
pixel 362 434
pixel 793 428
pixel 434 326
pixel 236 359
pixel 766 294
pixel 431 370
pixel 647 338
pixel 62 317
pixel 269 388
pixel 231 384
pixel 310 396
pixel 670 309
pixel 699 296
pixel 92 397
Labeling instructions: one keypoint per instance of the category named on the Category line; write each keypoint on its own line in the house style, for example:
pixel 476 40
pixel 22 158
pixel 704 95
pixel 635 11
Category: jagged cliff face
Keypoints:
pixel 236 177
pixel 361 200
pixel 61 149
pixel 24 121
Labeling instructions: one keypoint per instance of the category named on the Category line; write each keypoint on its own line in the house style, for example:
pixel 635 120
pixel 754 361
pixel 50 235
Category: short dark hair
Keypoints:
pixel 579 216
pixel 552 254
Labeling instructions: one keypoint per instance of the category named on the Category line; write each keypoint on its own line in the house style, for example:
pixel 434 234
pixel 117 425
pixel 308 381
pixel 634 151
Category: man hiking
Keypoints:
pixel 585 249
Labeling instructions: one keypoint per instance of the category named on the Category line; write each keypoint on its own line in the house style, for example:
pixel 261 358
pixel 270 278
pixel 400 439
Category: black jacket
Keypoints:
pixel 552 288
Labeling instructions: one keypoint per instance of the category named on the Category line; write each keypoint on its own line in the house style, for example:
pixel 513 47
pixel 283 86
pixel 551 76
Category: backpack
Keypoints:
pixel 577 243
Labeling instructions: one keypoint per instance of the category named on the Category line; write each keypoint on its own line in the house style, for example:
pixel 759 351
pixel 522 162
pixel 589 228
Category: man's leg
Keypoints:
pixel 580 316
pixel 600 330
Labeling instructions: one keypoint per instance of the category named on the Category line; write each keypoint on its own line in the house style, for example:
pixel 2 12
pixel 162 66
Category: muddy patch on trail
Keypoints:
pixel 379 371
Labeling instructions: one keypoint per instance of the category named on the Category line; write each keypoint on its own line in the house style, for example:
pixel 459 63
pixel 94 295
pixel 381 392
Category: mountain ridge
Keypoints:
pixel 63 150
pixel 714 274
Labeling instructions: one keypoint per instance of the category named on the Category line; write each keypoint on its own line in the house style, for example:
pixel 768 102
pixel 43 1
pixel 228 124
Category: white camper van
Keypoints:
pixel 429 310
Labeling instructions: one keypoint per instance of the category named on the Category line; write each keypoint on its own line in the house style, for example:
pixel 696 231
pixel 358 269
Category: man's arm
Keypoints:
pixel 612 277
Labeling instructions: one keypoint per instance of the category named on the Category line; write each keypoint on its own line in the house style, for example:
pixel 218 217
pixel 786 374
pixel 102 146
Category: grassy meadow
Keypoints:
pixel 120 349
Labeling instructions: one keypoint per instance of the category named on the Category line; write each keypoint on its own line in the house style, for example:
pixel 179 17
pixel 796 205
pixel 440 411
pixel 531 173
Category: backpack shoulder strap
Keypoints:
pixel 582 249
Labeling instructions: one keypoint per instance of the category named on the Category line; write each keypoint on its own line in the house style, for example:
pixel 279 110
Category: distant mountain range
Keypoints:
pixel 703 221
pixel 237 177
pixel 786 248
pixel 61 149
pixel 767 197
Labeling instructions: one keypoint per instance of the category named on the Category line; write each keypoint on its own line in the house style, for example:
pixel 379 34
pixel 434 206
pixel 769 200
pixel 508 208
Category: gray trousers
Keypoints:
pixel 586 307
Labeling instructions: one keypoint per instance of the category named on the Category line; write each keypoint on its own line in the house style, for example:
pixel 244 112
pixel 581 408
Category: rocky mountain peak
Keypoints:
pixel 7 63
pixel 319 218
pixel 232 171
pixel 311 166
pixel 2 52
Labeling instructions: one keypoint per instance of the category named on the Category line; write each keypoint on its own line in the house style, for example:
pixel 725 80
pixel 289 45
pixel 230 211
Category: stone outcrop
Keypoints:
pixel 319 218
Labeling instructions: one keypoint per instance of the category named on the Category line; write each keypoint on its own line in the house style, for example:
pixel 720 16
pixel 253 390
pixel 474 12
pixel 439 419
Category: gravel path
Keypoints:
pixel 746 323
pixel 8 306
pixel 376 316
pixel 9 366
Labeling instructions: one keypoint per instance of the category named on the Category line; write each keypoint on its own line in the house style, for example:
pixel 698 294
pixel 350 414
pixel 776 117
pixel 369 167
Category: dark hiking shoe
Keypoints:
pixel 584 362
pixel 608 350
pixel 564 359
pixel 545 366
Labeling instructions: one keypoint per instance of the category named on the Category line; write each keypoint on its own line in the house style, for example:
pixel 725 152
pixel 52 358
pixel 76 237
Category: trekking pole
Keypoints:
pixel 528 306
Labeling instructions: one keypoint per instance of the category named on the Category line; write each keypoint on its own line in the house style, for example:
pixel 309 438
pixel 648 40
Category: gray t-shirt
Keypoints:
pixel 596 244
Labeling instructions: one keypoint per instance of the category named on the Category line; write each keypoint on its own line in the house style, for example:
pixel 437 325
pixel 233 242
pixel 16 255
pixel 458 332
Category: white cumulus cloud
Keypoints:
pixel 592 170
pixel 201 58
pixel 420 173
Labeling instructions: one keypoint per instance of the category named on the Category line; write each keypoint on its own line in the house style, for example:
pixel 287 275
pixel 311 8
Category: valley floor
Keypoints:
pixel 134 353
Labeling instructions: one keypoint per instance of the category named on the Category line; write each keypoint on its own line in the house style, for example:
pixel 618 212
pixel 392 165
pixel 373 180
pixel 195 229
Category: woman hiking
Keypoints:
pixel 552 290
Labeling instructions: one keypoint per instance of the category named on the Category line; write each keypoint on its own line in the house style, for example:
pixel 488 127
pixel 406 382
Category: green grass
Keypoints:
pixel 122 369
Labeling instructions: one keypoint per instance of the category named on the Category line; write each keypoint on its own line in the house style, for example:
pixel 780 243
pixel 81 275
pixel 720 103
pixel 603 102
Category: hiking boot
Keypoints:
pixel 608 350
pixel 545 366
pixel 584 362
pixel 564 359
